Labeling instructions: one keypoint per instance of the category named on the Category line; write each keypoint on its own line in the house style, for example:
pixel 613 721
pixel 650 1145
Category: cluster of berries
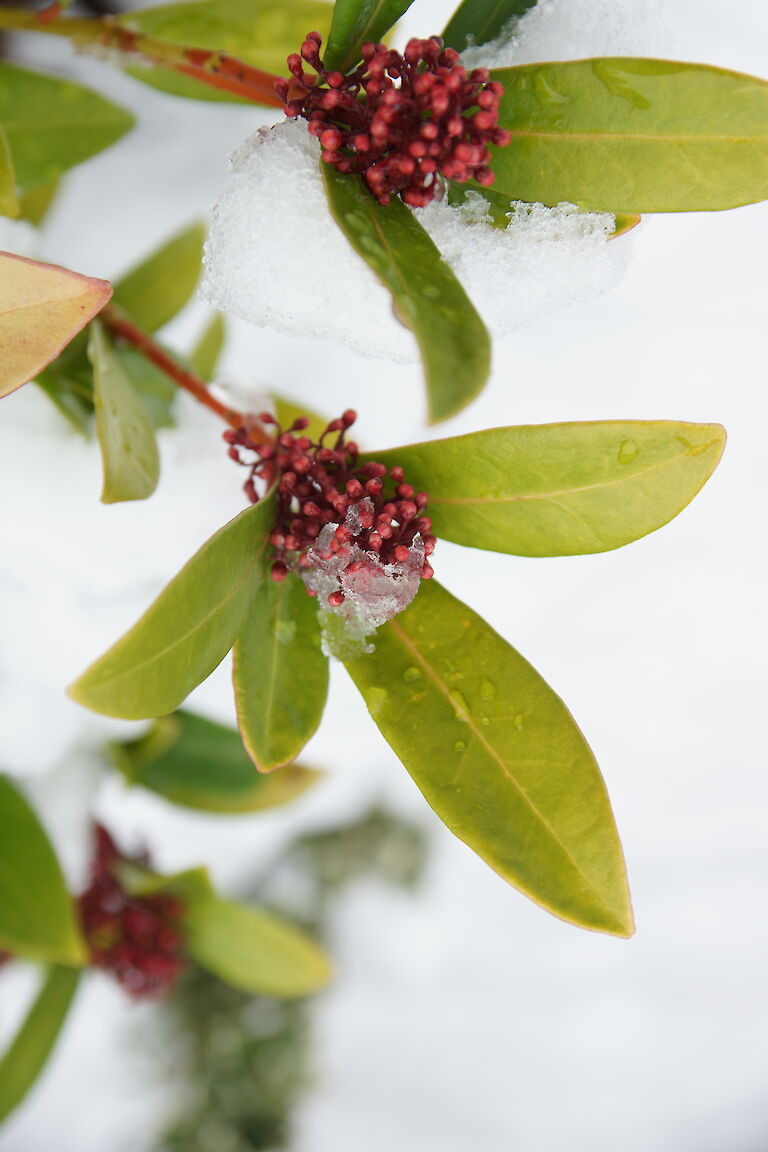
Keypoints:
pixel 400 121
pixel 319 485
pixel 137 938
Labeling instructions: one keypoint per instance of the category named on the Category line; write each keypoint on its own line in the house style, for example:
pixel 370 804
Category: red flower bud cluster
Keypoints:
pixel 400 121
pixel 318 485
pixel 138 938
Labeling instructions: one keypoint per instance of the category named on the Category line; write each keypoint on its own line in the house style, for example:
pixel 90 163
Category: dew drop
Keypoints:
pixel 411 674
pixel 460 706
pixel 488 690
pixel 628 451
pixel 485 720
pixel 519 721
pixel 459 746
pixel 377 700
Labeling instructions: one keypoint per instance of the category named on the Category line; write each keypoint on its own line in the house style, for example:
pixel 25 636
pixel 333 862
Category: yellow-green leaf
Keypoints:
pixel 33 1043
pixel 37 918
pixel 188 630
pixel 207 351
pixel 9 204
pixel 498 756
pixel 280 641
pixel 454 343
pixel 159 287
pixel 129 456
pixel 42 307
pixel 632 135
pixel 560 489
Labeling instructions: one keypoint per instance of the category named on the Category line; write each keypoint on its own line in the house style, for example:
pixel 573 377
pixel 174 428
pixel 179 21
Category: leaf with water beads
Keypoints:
pixel 454 343
pixel 632 135
pixel 188 630
pixel 498 756
pixel 280 673
pixel 561 489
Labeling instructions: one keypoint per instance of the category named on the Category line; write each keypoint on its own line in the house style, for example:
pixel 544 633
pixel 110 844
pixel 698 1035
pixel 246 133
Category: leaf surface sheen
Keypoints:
pixel 560 489
pixel 498 757
pixel 354 22
pixel 42 308
pixel 53 124
pixel 454 343
pixel 280 673
pixel 188 630
pixel 129 453
pixel 37 918
pixel 632 135
pixel 479 21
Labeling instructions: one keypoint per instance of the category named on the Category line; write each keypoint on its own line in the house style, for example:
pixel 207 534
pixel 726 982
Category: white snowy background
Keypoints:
pixel 463 1019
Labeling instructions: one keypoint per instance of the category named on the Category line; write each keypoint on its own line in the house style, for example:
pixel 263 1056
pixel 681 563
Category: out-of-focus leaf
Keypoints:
pixel 252 949
pixel 159 287
pixel 33 1043
pixel 37 919
pixel 9 204
pixel 42 307
pixel 454 344
pixel 280 640
pixel 188 630
pixel 286 411
pixel 156 391
pixel 129 455
pixel 633 135
pixel 35 201
pixel 54 124
pixel 354 22
pixel 206 353
pixel 193 761
pixel 560 489
pixel 260 32
pixel 498 756
pixel 480 21
pixel 68 383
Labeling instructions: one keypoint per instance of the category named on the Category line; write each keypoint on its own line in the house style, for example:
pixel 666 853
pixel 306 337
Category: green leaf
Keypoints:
pixel 454 344
pixel 252 949
pixel 54 124
pixel 354 22
pixel 193 761
pixel 37 919
pixel 206 353
pixel 286 411
pixel 159 287
pixel 560 489
pixel 280 641
pixel 623 223
pixel 480 21
pixel 35 202
pixel 633 135
pixel 260 32
pixel 68 383
pixel 188 630
pixel 129 455
pixel 33 1043
pixel 156 391
pixel 9 204
pixel 498 756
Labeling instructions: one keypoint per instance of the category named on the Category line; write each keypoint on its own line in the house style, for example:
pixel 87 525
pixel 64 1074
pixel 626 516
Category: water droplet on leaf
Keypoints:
pixel 628 451
pixel 459 746
pixel 460 706
pixel 411 674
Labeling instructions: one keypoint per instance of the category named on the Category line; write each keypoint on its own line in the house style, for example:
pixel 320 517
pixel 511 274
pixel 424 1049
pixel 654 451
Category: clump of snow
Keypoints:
pixel 573 30
pixel 373 592
pixel 275 256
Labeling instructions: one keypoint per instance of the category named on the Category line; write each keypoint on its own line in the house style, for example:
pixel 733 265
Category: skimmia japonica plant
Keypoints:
pixel 336 553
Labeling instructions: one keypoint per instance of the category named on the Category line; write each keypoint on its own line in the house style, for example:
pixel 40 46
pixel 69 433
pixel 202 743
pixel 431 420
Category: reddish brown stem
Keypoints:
pixel 123 327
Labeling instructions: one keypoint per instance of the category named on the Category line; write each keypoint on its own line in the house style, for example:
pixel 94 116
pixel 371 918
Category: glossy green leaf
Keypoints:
pixel 53 124
pixel 253 950
pixel 37 919
pixel 633 135
pixel 498 756
pixel 188 630
pixel 129 455
pixel 354 22
pixel 480 21
pixel 454 344
pixel 28 1053
pixel 207 352
pixel 9 204
pixel 280 641
pixel 560 489
pixel 260 32
pixel 159 287
pixel 195 762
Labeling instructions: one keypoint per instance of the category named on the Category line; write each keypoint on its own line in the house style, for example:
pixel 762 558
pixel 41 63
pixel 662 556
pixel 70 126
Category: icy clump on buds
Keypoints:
pixel 275 256
pixel 372 592
pixel 575 30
